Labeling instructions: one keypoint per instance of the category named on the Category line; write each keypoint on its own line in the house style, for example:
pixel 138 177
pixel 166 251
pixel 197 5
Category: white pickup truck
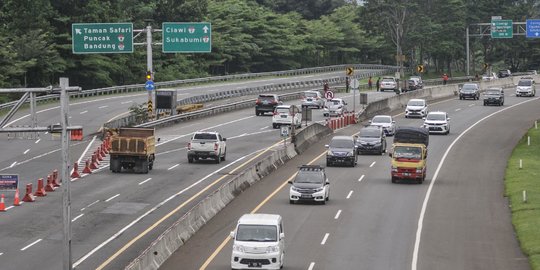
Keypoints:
pixel 204 145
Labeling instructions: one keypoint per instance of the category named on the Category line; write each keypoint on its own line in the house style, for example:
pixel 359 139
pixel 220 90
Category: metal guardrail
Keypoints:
pixel 140 87
pixel 134 120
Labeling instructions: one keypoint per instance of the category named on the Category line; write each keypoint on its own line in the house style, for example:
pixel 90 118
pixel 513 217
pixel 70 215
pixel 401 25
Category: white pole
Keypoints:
pixel 524 196
pixel 66 191
pixel 528 140
pixel 535 124
pixel 520 163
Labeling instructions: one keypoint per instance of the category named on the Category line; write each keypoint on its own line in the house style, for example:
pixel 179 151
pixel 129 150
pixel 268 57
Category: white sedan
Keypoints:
pixel 386 122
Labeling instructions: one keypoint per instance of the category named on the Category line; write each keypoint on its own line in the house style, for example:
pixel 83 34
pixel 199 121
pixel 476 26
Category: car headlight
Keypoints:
pixel 294 188
pixel 238 248
pixel 319 189
pixel 329 153
pixel 394 169
pixel 419 170
pixel 272 249
pixel 350 154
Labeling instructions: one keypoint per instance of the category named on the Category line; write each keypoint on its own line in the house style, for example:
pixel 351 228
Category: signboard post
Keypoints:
pixel 9 182
pixel 501 29
pixel 533 28
pixel 187 37
pixel 102 38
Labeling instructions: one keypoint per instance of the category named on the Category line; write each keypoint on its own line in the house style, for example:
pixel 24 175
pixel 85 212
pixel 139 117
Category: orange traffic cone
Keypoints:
pixel 49 187
pixel 16 201
pixel 40 192
pixel 29 197
pixel 87 167
pixel 2 204
pixel 75 173
pixel 55 181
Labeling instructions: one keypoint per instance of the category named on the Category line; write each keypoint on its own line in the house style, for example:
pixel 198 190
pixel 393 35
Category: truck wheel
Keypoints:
pixel 190 160
pixel 393 180
pixel 151 165
pixel 144 167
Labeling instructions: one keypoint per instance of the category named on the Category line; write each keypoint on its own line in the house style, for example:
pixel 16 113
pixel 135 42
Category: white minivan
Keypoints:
pixel 287 115
pixel 258 242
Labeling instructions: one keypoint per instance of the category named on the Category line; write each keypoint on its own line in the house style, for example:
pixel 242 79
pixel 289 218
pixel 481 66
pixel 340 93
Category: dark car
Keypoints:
pixel 503 73
pixel 341 150
pixel 412 85
pixel 469 90
pixel 494 96
pixel 371 139
pixel 310 184
pixel 266 103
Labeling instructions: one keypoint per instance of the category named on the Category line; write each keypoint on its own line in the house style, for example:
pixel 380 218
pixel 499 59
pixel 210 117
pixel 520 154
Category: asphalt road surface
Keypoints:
pixel 458 219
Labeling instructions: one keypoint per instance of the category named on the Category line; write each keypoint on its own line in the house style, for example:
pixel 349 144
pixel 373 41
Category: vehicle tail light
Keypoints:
pixel 189 146
pixel 276 113
pixel 258 101
pixel 215 147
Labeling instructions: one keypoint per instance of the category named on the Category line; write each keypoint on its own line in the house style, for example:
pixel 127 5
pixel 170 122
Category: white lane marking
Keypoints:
pixel 35 242
pixel 173 167
pixel 77 217
pixel 470 105
pixel 350 193
pixel 325 238
pixel 13 164
pixel 361 178
pixel 311 265
pixel 103 107
pixel 9 207
pixel 145 181
pixel 458 109
pixel 86 150
pixel 1 253
pixel 46 132
pixel 238 136
pixel 83 112
pixel 38 140
pixel 264 127
pixel 372 164
pixel 126 102
pixel 337 214
pixel 26 151
pixel 414 262
pixel 111 198
pixel 82 209
pixel 127 227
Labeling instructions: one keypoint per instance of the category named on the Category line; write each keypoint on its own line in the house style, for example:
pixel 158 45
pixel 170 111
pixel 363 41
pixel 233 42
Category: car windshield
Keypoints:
pixel 381 119
pixel 469 87
pixel 492 92
pixel 416 103
pixel 369 133
pixel 315 177
pixel 310 94
pixel 205 136
pixel 525 83
pixel 436 116
pixel 256 233
pixel 334 102
pixel 408 152
pixel 341 143
pixel 267 98
pixel 282 110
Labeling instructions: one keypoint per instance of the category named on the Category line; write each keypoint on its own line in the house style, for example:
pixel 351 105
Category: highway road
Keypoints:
pixel 115 216
pixel 458 219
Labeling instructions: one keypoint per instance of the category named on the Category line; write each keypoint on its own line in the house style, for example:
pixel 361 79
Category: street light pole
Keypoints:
pixel 66 192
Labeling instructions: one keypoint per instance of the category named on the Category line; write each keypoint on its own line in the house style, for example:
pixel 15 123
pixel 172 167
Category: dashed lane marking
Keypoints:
pixel 349 195
pixel 111 198
pixel 325 238
pixel 337 214
pixel 35 242
pixel 361 178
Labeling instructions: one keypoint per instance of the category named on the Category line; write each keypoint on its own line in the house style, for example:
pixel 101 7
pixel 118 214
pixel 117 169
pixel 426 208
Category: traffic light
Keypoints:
pixel 149 75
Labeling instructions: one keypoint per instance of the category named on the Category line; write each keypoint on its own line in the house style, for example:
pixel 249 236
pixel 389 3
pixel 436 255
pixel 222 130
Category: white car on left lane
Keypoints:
pixel 287 115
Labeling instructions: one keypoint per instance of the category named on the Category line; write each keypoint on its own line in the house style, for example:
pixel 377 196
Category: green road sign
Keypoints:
pixel 187 37
pixel 102 38
pixel 501 29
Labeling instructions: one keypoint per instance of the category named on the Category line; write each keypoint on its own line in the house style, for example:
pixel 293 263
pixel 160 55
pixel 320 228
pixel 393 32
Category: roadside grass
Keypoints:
pixel 526 214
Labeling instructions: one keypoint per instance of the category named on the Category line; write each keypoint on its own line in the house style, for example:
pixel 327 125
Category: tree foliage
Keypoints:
pixel 257 36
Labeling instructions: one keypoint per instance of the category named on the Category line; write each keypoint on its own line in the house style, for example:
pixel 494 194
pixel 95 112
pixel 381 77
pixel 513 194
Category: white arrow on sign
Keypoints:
pixel 205 29
pixel 78 31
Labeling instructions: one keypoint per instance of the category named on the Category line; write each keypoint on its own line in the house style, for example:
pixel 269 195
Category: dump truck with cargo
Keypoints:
pixel 132 149
pixel 409 154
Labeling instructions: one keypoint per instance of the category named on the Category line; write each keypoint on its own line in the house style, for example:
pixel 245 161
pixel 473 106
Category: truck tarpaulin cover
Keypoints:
pixel 412 135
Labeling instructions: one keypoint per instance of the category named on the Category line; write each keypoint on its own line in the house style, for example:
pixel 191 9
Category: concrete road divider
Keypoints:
pixel 176 235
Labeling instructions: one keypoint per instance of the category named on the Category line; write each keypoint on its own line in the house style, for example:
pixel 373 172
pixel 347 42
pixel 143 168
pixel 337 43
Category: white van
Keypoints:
pixel 258 242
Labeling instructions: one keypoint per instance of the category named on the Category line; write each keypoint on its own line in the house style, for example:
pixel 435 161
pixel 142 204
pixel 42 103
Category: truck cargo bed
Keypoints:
pixel 412 135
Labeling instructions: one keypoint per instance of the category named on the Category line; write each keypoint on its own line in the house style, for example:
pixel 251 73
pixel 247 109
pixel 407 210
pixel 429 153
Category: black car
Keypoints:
pixel 469 90
pixel 310 184
pixel 371 139
pixel 503 73
pixel 341 150
pixel 266 103
pixel 494 96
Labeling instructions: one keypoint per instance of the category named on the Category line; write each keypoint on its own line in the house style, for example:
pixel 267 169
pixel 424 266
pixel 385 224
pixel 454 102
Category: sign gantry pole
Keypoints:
pixel 149 66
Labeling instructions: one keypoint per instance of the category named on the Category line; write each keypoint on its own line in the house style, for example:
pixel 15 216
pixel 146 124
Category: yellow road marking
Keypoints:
pixel 222 245
pixel 157 223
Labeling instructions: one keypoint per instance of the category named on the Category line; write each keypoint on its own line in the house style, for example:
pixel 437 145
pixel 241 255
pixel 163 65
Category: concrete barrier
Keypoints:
pixel 309 135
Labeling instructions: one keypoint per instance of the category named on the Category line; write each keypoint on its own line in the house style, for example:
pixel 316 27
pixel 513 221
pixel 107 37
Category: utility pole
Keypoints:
pixel 149 65
pixel 66 192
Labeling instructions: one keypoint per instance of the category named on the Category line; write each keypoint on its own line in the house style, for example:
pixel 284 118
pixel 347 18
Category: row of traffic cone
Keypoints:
pixel 53 182
pixel 93 162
